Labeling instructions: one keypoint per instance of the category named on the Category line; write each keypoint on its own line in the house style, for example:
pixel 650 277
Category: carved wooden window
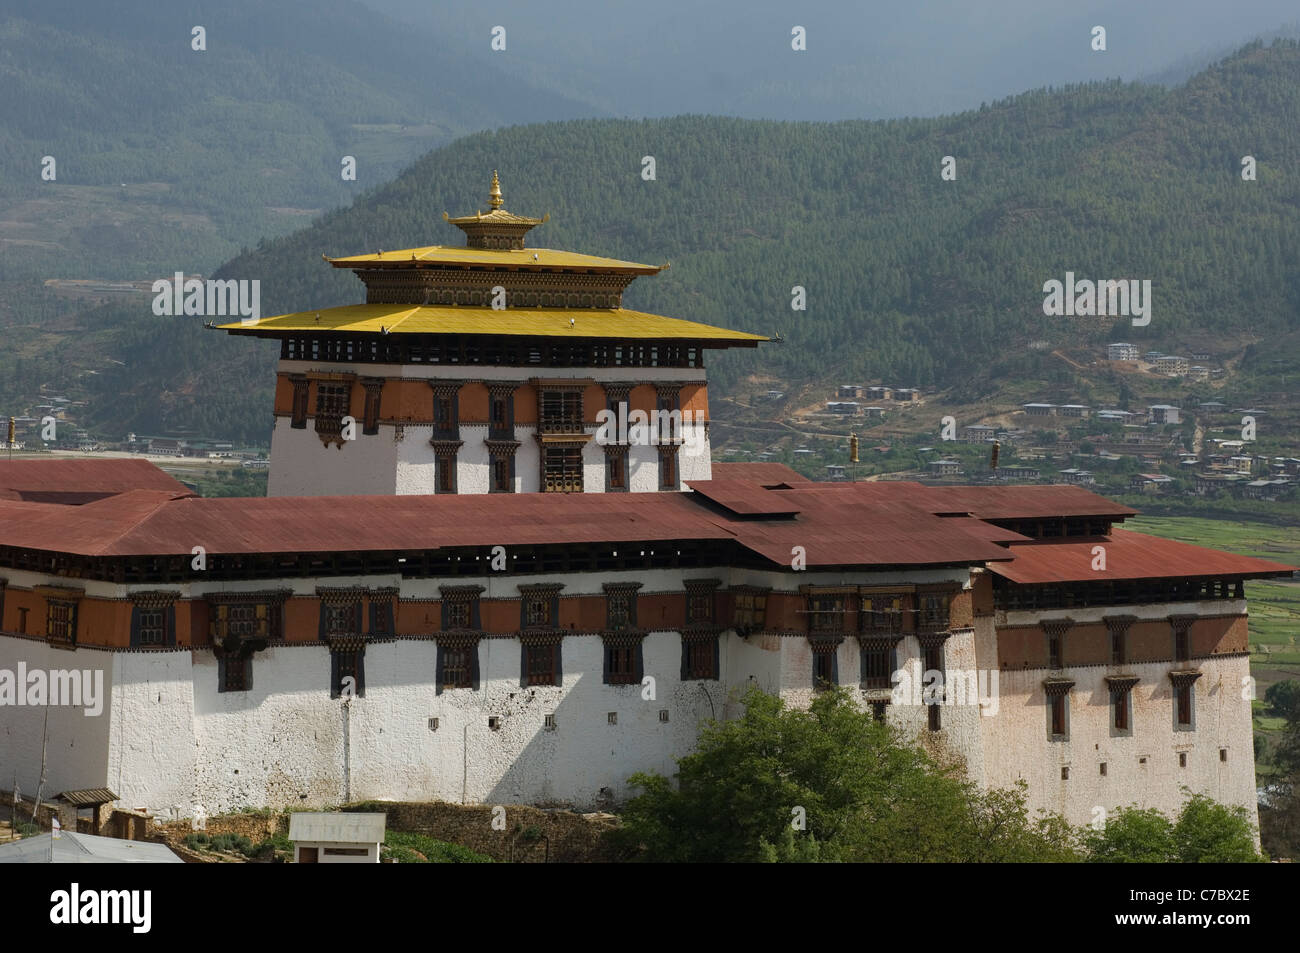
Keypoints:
pixel 374 389
pixel 501 454
pixel 242 622
pixel 616 469
pixel 331 407
pixel 299 419
pixel 560 411
pixel 234 673
pixel 881 613
pixel 445 456
pixel 537 611
pixel 877 664
pixel 460 607
pixel 347 662
pixel 620 665
pixel 700 602
pixel 457 663
pixel 825 657
pixel 750 610
pixel 153 626
pixel 61 621
pixel 934 612
pixel 1182 640
pixel 932 661
pixel 541 662
pixel 827 612
pixel 700 657
pixel 668 476
pixel 443 414
pixel 458 615
pixel 1058 703
pixel 562 470
pixel 620 605
pixel 342 619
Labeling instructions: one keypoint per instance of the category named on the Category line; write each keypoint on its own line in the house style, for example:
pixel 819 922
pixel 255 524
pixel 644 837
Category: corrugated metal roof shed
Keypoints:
pixel 87 796
pixel 337 828
pixel 72 848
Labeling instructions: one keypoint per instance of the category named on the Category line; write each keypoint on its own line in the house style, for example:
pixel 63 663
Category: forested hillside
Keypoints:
pixel 168 157
pixel 909 278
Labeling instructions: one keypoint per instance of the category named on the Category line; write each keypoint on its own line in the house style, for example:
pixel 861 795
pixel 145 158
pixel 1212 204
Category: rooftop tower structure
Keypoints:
pixel 489 368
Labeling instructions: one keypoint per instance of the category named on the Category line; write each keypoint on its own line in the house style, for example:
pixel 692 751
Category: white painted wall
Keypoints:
pixel 169 742
pixel 371 855
pixel 383 464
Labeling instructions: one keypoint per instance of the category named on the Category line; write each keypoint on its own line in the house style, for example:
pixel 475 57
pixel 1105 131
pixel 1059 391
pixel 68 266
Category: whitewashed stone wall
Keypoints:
pixel 169 742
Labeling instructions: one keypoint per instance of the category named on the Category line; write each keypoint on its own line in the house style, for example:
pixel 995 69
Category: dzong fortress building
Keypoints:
pixel 461 588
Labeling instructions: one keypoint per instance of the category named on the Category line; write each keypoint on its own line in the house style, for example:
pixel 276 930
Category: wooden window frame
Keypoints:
pixel 701 660
pixel 825 663
pixel 670 478
pixel 374 388
pixel 877 662
pixel 61 620
pixel 702 601
pixel 749 609
pixel 299 402
pixel 540 662
pixel 457 665
pixel 562 469
pixel 460 604
pixel 617 474
pixel 333 403
pixel 348 658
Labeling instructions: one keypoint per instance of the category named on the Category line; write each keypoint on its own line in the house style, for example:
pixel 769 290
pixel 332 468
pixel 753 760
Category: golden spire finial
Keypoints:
pixel 494 196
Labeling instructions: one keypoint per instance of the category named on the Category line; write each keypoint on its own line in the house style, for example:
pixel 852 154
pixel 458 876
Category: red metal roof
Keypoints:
pixel 833 529
pixel 764 474
pixel 836 524
pixel 77 481
pixel 745 498
pixel 1129 555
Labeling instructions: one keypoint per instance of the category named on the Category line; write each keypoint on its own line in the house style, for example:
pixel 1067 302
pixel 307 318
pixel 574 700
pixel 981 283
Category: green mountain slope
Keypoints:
pixel 909 278
pixel 171 158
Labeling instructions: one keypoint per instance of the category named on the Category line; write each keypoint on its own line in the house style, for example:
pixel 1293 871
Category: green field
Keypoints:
pixel 1274 604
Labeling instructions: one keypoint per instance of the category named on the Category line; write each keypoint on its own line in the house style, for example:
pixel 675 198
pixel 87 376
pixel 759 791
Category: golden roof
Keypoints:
pixel 528 322
pixel 526 258
pixel 498 215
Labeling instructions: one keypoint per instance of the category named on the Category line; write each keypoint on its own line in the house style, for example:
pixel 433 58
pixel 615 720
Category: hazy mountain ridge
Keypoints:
pixel 909 278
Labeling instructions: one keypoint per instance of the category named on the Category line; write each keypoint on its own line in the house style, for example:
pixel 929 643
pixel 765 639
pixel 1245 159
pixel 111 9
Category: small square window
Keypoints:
pixel 548 722
pixel 494 723
pixel 1065 774
pixel 1103 769
pixel 663 714
pixel 433 724
pixel 612 718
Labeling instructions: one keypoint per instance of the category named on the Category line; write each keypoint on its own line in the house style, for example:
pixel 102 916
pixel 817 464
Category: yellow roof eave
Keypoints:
pixel 525 322
pixel 503 258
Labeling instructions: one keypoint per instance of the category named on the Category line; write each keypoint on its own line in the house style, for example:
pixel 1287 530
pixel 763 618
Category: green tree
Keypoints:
pixel 1132 835
pixel 830 784
pixel 1205 832
pixel 1211 833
